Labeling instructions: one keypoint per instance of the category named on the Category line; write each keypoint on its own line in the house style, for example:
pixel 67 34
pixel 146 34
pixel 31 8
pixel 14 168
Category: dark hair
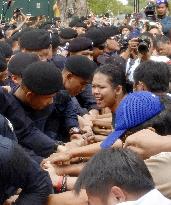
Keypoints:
pixel 161 122
pixel 148 35
pixel 162 39
pixel 155 75
pixel 125 26
pixel 114 167
pixel 115 73
pixel 152 27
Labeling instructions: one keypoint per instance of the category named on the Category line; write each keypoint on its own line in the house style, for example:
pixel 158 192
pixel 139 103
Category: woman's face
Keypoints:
pixel 103 91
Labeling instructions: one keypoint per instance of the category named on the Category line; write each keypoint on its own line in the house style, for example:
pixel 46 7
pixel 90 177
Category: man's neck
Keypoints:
pixel 161 16
pixel 19 94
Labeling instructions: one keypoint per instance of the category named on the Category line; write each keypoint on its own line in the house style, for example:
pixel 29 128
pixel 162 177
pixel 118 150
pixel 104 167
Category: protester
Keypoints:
pixel 110 183
pixel 69 89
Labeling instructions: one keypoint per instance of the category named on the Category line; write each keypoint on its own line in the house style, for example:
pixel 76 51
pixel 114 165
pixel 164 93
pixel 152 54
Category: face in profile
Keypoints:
pixel 73 84
pixel 39 102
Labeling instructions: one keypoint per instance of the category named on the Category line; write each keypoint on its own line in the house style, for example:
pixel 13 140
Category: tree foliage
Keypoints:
pixel 114 6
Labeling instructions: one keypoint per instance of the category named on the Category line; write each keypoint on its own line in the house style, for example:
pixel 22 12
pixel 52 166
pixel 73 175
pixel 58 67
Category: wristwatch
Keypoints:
pixel 74 130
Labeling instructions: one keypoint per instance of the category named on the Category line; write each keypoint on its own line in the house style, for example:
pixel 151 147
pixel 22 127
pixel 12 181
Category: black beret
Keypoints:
pixel 110 31
pixel 83 18
pixel 96 35
pixel 6 49
pixel 55 40
pixel 68 33
pixel 42 78
pixel 80 66
pixel 80 44
pixel 80 24
pixel 74 21
pixel 3 64
pixel 36 39
pixel 20 61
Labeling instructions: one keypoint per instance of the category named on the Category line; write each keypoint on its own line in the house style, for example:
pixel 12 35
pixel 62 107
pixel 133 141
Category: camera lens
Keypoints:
pixel 143 47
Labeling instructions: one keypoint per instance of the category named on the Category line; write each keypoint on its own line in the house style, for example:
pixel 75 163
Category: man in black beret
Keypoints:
pixel 111 46
pixel 37 41
pixel 18 63
pixel 77 73
pixel 40 82
pixel 80 27
pixel 30 106
pixel 66 35
pixel 81 46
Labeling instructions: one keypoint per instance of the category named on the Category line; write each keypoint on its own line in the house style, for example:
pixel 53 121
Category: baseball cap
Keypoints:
pixel 158 2
pixel 135 109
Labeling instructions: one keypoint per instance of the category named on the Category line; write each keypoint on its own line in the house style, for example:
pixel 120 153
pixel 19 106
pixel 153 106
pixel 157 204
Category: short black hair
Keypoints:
pixel 115 74
pixel 114 167
pixel 80 66
pixel 155 75
pixel 148 35
pixel 162 39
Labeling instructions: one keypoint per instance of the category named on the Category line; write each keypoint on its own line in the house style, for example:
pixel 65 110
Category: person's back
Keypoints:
pixel 19 171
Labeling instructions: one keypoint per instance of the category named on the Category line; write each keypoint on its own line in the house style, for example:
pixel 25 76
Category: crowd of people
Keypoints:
pixel 85 115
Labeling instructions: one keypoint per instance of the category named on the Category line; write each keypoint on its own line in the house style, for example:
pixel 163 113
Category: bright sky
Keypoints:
pixel 125 2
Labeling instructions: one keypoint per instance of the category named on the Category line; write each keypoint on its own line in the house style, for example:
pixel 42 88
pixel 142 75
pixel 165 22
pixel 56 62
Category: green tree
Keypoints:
pixel 114 6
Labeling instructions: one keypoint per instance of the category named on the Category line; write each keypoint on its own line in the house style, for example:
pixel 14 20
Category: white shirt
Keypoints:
pixel 130 69
pixel 154 197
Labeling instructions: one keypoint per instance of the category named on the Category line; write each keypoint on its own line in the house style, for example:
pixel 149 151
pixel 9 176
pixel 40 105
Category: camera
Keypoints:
pixel 150 11
pixel 123 41
pixel 144 45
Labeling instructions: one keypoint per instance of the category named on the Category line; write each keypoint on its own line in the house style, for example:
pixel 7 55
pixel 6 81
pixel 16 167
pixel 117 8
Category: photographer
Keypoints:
pixel 162 9
pixel 139 50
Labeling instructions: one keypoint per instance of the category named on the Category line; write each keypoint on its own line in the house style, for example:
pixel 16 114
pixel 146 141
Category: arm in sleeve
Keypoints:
pixel 18 170
pixel 166 24
pixel 27 134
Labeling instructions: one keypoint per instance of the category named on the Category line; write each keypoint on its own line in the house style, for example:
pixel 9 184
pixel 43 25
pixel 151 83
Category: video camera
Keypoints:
pixel 150 12
pixel 144 45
